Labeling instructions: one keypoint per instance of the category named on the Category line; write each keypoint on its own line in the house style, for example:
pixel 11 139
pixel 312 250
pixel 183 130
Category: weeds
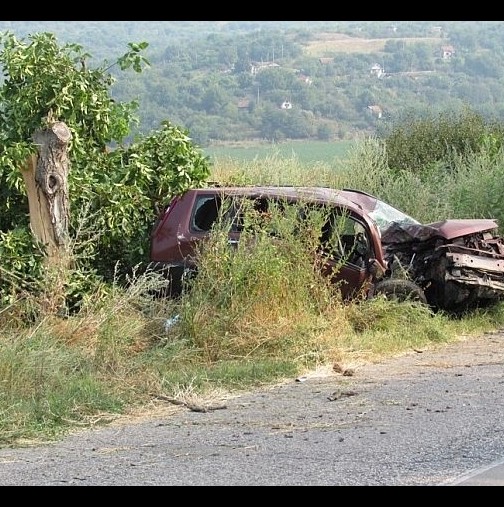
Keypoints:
pixel 255 314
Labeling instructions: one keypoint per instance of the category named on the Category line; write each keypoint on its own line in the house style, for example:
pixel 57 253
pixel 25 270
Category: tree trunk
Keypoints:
pixel 46 179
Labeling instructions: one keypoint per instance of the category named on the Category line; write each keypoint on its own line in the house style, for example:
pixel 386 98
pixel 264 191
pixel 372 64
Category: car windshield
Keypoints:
pixel 385 215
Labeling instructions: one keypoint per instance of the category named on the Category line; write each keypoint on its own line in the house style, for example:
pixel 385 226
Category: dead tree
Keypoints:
pixel 46 180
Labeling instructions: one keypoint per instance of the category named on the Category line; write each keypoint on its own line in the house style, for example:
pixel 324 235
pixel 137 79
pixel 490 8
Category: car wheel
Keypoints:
pixel 399 289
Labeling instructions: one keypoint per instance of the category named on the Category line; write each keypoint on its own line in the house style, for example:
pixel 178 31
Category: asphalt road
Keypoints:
pixel 428 418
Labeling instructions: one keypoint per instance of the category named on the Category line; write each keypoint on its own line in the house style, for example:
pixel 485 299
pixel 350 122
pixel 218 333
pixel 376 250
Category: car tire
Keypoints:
pixel 399 289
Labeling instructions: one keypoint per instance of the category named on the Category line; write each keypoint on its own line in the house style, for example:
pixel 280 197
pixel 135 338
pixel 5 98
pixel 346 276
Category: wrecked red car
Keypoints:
pixel 450 265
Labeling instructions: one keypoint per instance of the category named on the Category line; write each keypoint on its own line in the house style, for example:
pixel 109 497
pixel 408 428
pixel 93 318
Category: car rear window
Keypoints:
pixel 206 211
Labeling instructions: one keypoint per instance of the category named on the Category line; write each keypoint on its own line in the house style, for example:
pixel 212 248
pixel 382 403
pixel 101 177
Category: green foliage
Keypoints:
pixel 21 270
pixel 202 72
pixel 477 190
pixel 46 82
pixel 119 187
pixel 134 58
pixel 122 204
pixel 419 143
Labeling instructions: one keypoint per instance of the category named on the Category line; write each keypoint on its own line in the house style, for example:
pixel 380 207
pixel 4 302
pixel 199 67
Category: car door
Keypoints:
pixel 346 247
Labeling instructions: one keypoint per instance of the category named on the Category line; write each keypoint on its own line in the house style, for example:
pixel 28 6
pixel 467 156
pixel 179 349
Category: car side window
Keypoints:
pixel 250 213
pixel 346 238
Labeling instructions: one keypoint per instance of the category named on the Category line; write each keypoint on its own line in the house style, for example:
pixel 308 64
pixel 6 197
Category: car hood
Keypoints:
pixel 445 229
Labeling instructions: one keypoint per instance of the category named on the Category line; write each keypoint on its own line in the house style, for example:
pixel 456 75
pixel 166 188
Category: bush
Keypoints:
pixel 420 144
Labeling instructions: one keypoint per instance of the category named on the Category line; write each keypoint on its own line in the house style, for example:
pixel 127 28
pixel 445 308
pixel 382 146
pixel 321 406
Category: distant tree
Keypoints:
pixel 228 55
pixel 393 46
pixel 214 99
pixel 275 79
pixel 325 132
pixel 184 67
pixel 483 65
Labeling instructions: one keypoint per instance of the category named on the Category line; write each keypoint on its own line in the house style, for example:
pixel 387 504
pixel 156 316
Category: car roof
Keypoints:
pixel 352 199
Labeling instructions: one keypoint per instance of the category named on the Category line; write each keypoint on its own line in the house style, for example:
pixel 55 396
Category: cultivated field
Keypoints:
pixel 304 151
pixel 326 43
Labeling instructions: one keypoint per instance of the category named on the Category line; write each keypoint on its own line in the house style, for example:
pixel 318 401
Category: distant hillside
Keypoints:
pixel 104 38
pixel 237 81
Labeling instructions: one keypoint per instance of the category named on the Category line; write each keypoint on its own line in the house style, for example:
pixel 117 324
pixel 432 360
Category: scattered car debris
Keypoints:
pixel 346 372
pixel 169 323
pixel 341 394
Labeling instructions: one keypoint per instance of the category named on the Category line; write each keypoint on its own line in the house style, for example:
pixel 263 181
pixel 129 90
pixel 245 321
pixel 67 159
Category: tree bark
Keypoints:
pixel 46 179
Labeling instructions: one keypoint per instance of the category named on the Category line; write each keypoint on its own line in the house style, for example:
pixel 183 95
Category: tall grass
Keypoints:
pixel 254 315
pixel 472 189
pixel 257 299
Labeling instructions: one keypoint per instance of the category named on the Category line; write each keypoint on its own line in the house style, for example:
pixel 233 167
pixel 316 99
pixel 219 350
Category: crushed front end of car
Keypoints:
pixel 458 263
